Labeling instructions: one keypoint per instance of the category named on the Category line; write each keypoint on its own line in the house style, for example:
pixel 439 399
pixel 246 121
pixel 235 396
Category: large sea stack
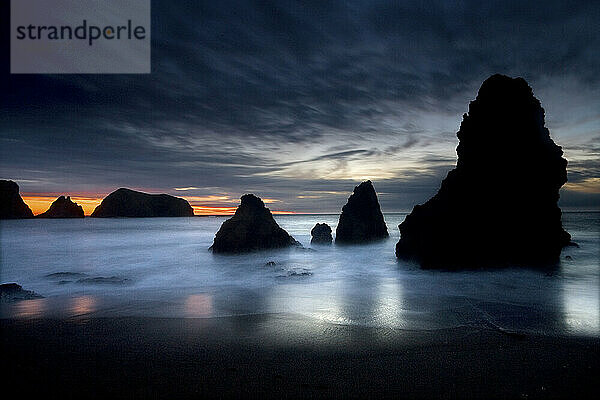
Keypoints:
pixel 251 228
pixel 498 207
pixel 130 203
pixel 12 205
pixel 361 220
pixel 63 207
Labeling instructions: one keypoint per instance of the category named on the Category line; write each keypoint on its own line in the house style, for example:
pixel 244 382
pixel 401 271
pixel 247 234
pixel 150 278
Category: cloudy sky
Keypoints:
pixel 300 101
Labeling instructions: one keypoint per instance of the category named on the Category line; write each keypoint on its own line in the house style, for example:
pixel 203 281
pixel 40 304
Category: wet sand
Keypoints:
pixel 280 355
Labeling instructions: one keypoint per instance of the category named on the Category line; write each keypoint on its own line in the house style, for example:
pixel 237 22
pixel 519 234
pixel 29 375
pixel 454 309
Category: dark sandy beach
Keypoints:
pixel 279 356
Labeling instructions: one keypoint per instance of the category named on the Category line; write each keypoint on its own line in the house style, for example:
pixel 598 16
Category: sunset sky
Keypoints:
pixel 202 205
pixel 298 103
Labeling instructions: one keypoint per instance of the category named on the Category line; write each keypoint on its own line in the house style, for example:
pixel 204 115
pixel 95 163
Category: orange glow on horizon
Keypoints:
pixel 222 209
pixel 588 185
pixel 41 202
pixel 209 210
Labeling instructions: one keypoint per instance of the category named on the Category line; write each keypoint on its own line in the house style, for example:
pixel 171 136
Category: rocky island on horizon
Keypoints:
pixel 63 207
pixel 131 203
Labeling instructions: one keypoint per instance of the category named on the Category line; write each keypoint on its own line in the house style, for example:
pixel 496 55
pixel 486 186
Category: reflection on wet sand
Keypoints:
pixel 390 312
pixel 371 301
pixel 199 306
pixel 82 305
pixel 30 308
pixel 51 307
pixel 581 308
pixel 327 309
pixel 322 303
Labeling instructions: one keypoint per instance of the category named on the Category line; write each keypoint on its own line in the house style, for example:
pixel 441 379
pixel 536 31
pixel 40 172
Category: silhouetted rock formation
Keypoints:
pixel 63 207
pixel 499 205
pixel 12 205
pixel 251 228
pixel 321 234
pixel 361 220
pixel 13 292
pixel 130 203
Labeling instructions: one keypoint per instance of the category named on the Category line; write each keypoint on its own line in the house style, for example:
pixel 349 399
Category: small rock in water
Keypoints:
pixel 321 234
pixel 297 272
pixel 66 275
pixel 270 264
pixel 104 280
pixel 305 249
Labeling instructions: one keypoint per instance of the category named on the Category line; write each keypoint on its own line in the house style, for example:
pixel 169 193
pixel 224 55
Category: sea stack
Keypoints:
pixel 12 205
pixel 498 207
pixel 361 220
pixel 321 234
pixel 130 203
pixel 251 228
pixel 63 207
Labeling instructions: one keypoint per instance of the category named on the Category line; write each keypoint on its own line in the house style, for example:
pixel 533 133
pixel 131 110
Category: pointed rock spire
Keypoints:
pixel 361 220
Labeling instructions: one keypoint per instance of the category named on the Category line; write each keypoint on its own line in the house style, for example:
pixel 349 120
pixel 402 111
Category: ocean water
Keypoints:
pixel 161 267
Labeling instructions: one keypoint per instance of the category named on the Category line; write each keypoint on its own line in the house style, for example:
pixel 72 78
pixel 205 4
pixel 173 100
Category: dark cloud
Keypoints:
pixel 242 93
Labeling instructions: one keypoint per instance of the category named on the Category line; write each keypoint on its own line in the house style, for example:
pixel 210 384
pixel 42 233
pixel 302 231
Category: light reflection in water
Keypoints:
pixel 582 308
pixel 326 306
pixel 82 305
pixel 199 305
pixel 322 302
pixel 343 302
pixel 30 308
pixel 389 311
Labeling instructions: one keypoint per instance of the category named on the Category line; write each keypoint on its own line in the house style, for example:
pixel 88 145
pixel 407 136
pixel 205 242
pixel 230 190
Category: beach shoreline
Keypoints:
pixel 290 356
